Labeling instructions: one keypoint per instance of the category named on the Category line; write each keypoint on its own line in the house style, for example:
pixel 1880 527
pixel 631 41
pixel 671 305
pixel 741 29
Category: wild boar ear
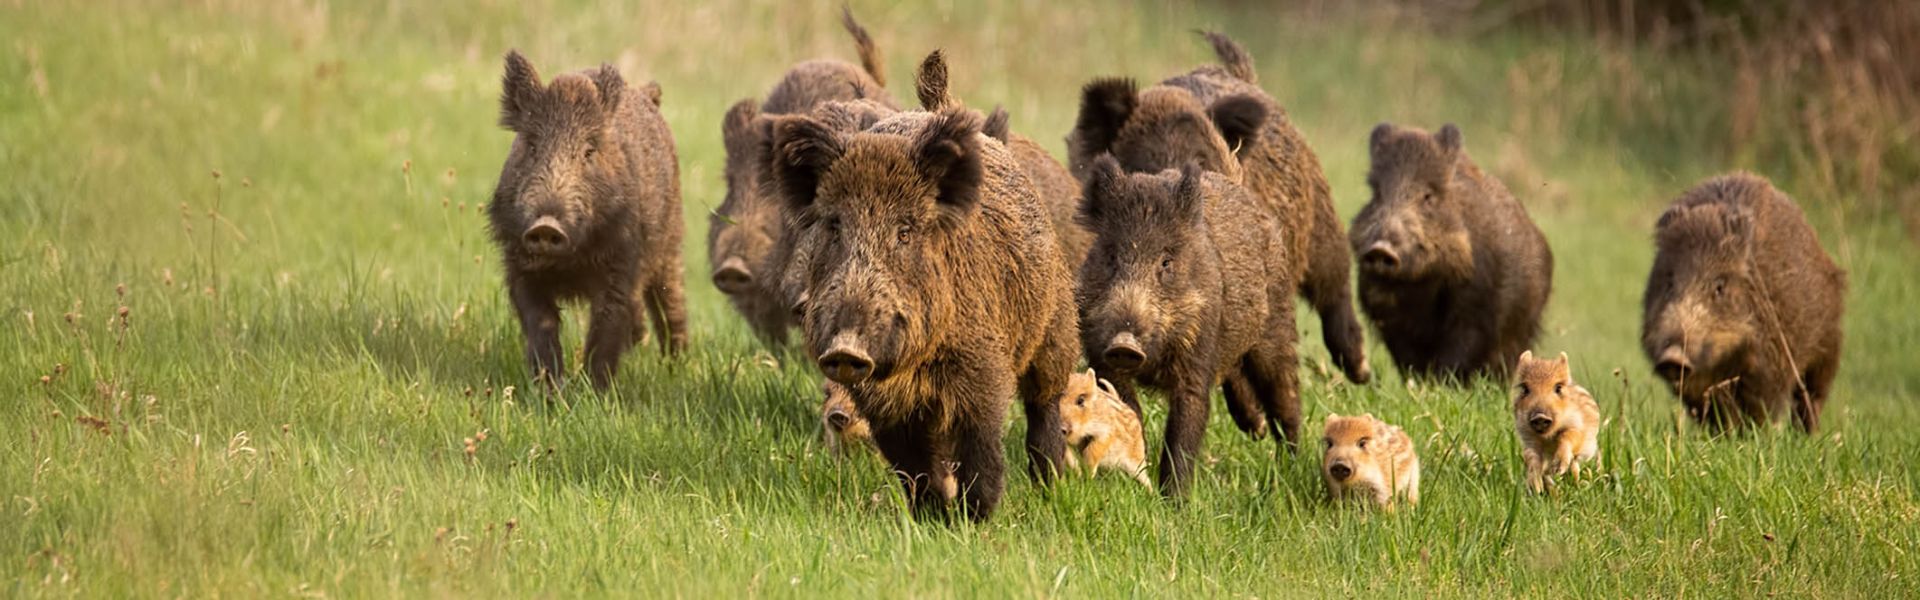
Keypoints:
pixel 1190 196
pixel 652 91
pixel 802 149
pixel 1330 418
pixel 1239 118
pixel 1102 178
pixel 610 85
pixel 997 126
pixel 520 88
pixel 1377 141
pixel 737 128
pixel 1449 140
pixel 1105 106
pixel 947 153
pixel 1739 226
pixel 1525 357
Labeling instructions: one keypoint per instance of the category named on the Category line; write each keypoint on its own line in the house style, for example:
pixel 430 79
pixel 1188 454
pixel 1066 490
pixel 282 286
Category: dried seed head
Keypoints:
pixel 216 174
pixel 44 379
pixel 120 290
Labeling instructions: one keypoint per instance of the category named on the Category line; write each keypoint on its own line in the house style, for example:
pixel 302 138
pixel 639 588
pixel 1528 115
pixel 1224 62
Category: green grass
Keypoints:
pixel 285 408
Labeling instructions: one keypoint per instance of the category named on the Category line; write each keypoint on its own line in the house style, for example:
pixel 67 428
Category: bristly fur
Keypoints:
pixel 930 84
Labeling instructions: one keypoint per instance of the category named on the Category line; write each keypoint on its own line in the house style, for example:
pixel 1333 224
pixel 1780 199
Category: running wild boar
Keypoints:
pixel 1453 272
pixel 1188 281
pixel 588 207
pixel 1219 117
pixel 936 291
pixel 1743 307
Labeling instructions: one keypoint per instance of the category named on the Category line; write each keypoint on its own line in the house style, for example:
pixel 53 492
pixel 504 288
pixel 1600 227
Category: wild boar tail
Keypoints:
pixel 998 126
pixel 1232 56
pixel 869 54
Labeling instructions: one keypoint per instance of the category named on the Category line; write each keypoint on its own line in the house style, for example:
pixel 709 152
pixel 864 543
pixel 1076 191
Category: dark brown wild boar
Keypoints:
pixel 1743 307
pixel 1188 281
pixel 936 289
pixel 1056 186
pixel 1219 117
pixel 743 233
pixel 1452 270
pixel 588 207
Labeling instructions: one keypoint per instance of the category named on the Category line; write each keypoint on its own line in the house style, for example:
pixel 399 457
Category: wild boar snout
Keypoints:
pixel 545 236
pixel 846 360
pixel 1673 364
pixel 733 277
pixel 1124 352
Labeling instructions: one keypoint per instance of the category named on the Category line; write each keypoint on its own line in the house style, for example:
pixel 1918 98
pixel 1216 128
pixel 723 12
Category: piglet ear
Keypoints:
pixel 1105 106
pixel 1449 140
pixel 803 149
pixel 1563 358
pixel 1102 179
pixel 612 87
pixel 519 89
pixel 1331 417
pixel 1526 357
pixel 947 153
pixel 1107 387
pixel 1239 118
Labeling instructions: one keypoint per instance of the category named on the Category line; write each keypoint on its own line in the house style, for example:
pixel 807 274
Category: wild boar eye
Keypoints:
pixel 1523 389
pixel 1081 401
pixel 1720 288
pixel 1363 443
pixel 903 234
pixel 1559 389
pixel 1166 262
pixel 1328 442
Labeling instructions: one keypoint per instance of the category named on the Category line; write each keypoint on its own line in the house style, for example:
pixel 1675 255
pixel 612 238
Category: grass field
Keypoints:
pixel 242 243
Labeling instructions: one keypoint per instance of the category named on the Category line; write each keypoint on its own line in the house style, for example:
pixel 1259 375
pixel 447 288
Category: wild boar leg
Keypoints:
pixel 667 304
pixel 909 452
pixel 1274 370
pixel 1243 404
pixel 540 324
pixel 609 335
pixel 1325 287
pixel 1187 409
pixel 1040 389
pixel 977 438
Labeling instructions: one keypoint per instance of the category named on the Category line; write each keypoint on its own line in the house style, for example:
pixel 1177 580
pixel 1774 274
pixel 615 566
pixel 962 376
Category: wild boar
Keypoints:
pixel 1188 281
pixel 1219 117
pixel 588 207
pixel 845 428
pixel 1453 272
pixel 1743 307
pixel 1368 460
pixel 1557 421
pixel 936 289
pixel 1101 430
pixel 743 232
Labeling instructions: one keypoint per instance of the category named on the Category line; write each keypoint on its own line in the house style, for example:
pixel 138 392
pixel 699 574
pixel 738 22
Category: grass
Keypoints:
pixel 309 391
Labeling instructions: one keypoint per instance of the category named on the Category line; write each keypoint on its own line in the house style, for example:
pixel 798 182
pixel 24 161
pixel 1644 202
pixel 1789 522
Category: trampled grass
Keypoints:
pixel 308 390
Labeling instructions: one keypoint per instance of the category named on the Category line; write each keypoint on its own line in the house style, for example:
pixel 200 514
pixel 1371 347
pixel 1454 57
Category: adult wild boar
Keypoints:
pixel 744 232
pixel 936 288
pixel 1452 270
pixel 1219 116
pixel 1188 282
pixel 1743 307
pixel 588 206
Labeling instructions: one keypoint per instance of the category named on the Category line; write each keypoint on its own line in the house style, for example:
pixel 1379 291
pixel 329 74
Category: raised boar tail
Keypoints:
pixel 930 83
pixel 1232 56
pixel 869 54
pixel 998 125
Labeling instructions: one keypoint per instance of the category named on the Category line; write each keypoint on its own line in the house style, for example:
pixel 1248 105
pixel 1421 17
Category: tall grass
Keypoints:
pixel 315 387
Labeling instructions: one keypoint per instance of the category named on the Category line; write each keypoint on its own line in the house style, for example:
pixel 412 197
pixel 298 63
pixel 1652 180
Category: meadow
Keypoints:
pixel 255 342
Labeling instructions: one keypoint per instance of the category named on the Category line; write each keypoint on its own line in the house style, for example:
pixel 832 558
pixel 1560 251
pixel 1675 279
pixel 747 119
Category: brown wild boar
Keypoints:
pixel 1743 307
pixel 1557 420
pixel 1368 460
pixel 1188 281
pixel 936 288
pixel 1453 272
pixel 1101 430
pixel 1218 116
pixel 743 232
pixel 588 207
pixel 1057 187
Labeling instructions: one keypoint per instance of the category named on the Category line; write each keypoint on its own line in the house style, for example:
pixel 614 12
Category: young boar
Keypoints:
pixel 1219 117
pixel 1188 281
pixel 588 206
pixel 1101 429
pixel 1369 460
pixel 1742 310
pixel 1453 272
pixel 845 428
pixel 936 288
pixel 744 231
pixel 1557 420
